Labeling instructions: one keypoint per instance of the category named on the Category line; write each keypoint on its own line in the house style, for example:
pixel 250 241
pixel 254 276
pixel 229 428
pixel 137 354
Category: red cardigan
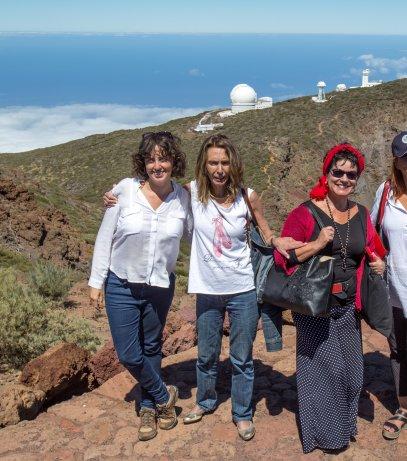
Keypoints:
pixel 300 225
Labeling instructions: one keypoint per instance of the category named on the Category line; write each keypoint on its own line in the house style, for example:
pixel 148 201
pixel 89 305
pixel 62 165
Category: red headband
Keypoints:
pixel 320 190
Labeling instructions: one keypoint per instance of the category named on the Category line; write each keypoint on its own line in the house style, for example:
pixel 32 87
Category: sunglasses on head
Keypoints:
pixel 158 134
pixel 337 173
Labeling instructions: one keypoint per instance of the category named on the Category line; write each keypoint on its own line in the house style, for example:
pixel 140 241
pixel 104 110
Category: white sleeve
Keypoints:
pixel 103 247
pixel 122 187
pixel 376 204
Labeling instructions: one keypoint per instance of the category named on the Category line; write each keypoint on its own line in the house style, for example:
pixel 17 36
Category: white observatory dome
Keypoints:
pixel 321 84
pixel 243 94
pixel 340 87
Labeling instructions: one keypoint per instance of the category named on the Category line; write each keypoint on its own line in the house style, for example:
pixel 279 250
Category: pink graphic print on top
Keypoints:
pixel 220 237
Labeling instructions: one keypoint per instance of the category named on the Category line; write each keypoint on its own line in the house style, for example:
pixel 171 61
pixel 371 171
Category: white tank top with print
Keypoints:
pixel 220 255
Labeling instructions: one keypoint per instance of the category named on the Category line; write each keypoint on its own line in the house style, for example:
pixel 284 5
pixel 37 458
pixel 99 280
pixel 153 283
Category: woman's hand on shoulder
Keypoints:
pixel 285 244
pixel 378 266
pixel 109 200
pixel 187 187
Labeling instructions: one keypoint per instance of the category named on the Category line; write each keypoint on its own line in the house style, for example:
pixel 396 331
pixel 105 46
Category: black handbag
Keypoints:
pixel 307 291
pixel 376 308
pixel 262 254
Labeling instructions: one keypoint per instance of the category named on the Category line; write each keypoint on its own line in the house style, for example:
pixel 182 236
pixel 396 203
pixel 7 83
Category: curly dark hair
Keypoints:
pixel 170 147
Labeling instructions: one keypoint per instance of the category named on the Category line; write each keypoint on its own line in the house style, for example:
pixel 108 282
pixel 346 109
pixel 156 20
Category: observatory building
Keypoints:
pixel 243 97
pixel 321 92
pixel 365 80
pixel 204 126
pixel 341 87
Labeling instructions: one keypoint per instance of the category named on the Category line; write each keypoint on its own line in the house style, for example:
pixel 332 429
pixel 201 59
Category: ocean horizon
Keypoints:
pixel 58 87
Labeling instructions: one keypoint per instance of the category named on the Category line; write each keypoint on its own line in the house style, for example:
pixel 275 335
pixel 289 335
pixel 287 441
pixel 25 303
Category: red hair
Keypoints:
pixel 320 190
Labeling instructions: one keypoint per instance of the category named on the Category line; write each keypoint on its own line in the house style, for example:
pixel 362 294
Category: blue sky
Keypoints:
pixel 210 16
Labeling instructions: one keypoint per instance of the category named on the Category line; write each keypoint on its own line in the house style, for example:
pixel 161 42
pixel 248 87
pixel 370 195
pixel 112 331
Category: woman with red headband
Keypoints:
pixel 329 349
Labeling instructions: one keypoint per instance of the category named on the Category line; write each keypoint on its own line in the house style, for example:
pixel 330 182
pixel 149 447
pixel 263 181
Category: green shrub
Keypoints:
pixel 29 326
pixel 51 281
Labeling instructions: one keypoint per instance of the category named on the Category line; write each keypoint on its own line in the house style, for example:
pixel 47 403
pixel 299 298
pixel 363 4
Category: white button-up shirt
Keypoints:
pixel 394 227
pixel 136 242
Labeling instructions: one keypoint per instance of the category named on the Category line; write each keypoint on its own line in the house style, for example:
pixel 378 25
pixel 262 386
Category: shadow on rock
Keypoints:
pixel 278 390
pixel 378 386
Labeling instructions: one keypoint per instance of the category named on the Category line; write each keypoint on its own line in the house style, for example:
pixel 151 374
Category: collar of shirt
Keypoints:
pixel 395 203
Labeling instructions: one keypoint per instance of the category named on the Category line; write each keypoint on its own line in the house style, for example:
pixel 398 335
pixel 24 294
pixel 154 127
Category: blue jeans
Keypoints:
pixel 137 313
pixel 243 315
pixel 272 321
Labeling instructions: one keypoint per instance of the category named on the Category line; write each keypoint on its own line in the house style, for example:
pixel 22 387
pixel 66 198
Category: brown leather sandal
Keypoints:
pixel 400 415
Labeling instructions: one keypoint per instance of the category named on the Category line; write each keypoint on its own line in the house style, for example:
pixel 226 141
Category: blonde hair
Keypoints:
pixel 397 181
pixel 236 167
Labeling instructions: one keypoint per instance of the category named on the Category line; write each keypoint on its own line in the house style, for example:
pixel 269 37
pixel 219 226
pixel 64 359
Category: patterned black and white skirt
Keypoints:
pixel 329 377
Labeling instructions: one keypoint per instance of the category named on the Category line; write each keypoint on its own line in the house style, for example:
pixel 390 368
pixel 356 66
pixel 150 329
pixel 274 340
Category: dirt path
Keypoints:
pixel 102 425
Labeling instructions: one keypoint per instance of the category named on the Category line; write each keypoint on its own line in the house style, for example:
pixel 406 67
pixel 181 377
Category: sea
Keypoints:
pixel 54 88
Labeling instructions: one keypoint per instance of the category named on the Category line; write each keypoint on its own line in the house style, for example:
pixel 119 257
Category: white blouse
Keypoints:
pixel 220 255
pixel 136 242
pixel 394 227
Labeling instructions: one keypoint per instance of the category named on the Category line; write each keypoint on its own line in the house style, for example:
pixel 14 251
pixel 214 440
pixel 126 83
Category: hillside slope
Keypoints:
pixel 282 147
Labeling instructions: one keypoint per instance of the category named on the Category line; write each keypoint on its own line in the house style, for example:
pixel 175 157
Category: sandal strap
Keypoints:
pixel 401 413
pixel 397 417
pixel 395 428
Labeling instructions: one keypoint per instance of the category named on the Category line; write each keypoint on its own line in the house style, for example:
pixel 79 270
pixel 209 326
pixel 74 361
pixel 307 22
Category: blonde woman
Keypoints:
pixel 221 275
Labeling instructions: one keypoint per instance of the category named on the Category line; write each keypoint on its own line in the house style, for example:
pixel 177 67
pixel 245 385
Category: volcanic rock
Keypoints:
pixel 180 341
pixel 60 372
pixel 104 364
pixel 18 402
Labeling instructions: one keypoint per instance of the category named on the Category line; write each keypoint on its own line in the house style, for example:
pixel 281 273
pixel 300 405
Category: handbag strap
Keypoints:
pixel 383 201
pixel 315 215
pixel 249 206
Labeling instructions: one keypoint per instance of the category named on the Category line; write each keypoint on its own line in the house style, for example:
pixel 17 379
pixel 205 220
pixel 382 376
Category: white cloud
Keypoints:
pixel 384 65
pixel 30 127
pixel 195 73
pixel 277 86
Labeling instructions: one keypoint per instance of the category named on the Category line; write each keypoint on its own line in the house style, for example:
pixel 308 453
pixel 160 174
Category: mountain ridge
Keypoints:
pixel 282 147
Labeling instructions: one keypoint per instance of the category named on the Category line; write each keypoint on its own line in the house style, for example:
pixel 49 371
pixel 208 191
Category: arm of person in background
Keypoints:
pixel 282 244
pixel 376 204
pixel 377 265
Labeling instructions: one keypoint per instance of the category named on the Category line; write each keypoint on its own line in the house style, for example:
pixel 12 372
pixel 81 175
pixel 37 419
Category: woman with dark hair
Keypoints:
pixel 329 349
pixel 393 227
pixel 134 257
pixel 221 275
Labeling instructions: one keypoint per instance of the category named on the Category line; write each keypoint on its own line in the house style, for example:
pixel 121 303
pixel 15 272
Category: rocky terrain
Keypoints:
pixel 34 229
pixel 50 211
pixel 282 147
pixel 101 425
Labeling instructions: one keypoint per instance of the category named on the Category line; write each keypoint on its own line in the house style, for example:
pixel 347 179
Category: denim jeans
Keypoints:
pixel 272 322
pixel 243 315
pixel 137 313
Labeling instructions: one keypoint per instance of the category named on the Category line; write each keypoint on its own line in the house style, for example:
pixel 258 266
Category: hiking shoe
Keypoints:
pixel 167 417
pixel 148 424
